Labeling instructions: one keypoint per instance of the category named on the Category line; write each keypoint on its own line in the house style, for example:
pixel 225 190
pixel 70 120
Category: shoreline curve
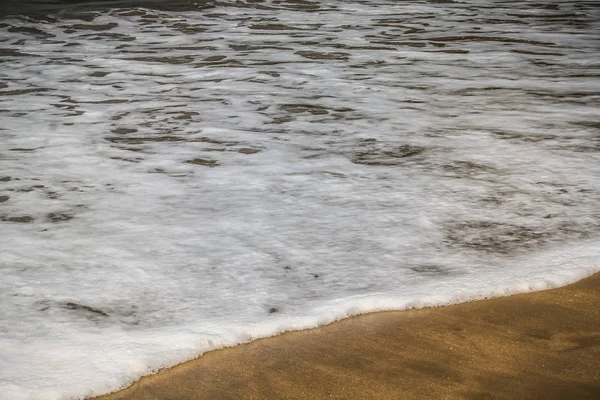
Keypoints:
pixel 533 345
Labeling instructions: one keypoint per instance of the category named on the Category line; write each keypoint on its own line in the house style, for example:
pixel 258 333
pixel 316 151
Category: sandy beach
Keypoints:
pixel 543 345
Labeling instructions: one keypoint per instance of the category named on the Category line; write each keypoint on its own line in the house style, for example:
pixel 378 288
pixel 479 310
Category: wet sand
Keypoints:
pixel 543 345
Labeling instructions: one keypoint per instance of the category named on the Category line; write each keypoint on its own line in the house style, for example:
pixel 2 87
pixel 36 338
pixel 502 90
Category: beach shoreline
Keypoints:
pixel 179 177
pixel 528 346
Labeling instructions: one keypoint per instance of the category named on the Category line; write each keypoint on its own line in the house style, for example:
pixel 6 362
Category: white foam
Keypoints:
pixel 137 259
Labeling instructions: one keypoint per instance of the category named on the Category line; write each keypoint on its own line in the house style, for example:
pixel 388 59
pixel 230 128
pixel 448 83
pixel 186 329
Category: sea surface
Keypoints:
pixel 177 177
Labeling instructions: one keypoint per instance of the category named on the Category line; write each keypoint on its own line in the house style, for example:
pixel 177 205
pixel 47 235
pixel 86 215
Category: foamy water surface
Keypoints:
pixel 177 181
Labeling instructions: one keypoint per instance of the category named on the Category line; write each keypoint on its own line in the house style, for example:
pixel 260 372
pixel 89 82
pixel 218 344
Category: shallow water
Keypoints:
pixel 196 176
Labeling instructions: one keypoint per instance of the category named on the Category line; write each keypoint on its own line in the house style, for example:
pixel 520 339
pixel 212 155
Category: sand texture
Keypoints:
pixel 543 345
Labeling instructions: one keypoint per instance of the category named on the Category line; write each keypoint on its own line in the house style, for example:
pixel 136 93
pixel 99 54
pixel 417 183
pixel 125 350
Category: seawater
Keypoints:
pixel 182 178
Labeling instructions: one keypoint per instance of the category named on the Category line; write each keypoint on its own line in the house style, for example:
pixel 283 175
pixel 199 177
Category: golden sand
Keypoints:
pixel 543 345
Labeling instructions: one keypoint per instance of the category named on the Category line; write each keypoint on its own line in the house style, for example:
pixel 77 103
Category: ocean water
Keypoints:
pixel 179 177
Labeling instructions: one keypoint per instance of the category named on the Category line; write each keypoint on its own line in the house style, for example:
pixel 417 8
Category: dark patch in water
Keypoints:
pixel 214 58
pixel 583 147
pixel 494 237
pixel 473 38
pixel 84 308
pixel 450 51
pixel 467 169
pixel 142 140
pixel 248 150
pixel 132 160
pixel 184 115
pixel 25 219
pixel 394 156
pixel 522 136
pixel 164 60
pixel 536 53
pixel 273 310
pixel 203 161
pixel 109 101
pixel 282 119
pixel 99 74
pixel 404 151
pixel 400 43
pixel 273 27
pixel 124 131
pixel 588 124
pixel 430 270
pixel 29 30
pixel 23 91
pixel 188 29
pixel 4 198
pixel 77 9
pixel 94 27
pixel 302 108
pixel 316 55
pixel 58 217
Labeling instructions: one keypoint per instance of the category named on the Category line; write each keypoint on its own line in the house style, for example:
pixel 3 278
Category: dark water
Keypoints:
pixel 42 8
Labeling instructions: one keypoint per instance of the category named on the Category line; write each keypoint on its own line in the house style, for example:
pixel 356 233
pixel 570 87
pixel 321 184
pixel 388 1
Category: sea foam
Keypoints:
pixel 174 182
